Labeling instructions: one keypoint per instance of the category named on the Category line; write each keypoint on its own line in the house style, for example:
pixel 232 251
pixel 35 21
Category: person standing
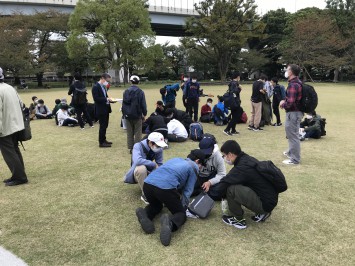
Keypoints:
pixel 278 95
pixel 79 100
pixel 235 108
pixel 256 104
pixel 293 114
pixel 11 123
pixel 134 109
pixel 193 97
pixel 102 108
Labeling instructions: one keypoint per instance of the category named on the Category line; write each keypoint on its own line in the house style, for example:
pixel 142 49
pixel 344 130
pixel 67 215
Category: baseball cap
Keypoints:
pixel 158 139
pixel 197 155
pixel 1 74
pixel 207 145
pixel 134 78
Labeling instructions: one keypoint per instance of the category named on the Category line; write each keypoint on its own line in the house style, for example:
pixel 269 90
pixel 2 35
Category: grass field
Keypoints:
pixel 76 210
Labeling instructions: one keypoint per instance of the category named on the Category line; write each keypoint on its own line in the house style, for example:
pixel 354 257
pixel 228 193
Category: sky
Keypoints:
pixel 263 7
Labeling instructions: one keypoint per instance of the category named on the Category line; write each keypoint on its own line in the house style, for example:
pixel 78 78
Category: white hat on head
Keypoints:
pixel 158 139
pixel 134 78
pixel 1 74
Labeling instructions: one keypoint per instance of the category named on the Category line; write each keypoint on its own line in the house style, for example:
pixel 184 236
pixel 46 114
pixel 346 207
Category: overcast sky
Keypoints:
pixel 263 7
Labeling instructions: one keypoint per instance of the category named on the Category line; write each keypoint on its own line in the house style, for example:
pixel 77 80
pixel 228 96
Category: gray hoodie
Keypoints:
pixel 214 163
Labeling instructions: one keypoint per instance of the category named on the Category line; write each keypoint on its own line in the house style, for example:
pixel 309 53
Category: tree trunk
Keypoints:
pixel 17 80
pixel 336 75
pixel 223 64
pixel 39 77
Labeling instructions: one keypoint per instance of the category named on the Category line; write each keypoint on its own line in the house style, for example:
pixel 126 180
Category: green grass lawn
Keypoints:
pixel 76 210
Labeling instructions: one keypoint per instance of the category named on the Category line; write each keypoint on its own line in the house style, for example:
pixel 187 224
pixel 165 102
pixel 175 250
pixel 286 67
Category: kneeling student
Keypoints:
pixel 64 119
pixel 176 131
pixel 311 126
pixel 147 155
pixel 161 187
pixel 244 186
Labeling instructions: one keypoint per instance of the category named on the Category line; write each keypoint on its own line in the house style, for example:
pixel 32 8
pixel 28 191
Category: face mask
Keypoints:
pixel 309 116
pixel 170 116
pixel 227 161
pixel 209 104
pixel 39 105
pixel 36 101
pixel 186 79
pixel 156 149
pixel 286 74
pixel 105 83
pixel 194 80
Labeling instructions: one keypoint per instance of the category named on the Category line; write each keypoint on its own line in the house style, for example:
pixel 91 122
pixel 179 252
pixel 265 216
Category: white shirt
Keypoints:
pixel 62 115
pixel 175 127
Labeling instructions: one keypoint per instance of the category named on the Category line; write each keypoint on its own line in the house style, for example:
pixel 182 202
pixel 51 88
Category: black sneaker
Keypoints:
pixel 234 132
pixel 250 127
pixel 231 220
pixel 261 217
pixel 146 223
pixel 165 229
pixel 227 133
pixel 257 129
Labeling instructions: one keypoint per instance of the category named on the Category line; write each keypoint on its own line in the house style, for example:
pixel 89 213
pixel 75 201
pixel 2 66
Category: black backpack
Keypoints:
pixel 322 127
pixel 25 134
pixel 79 96
pixel 309 100
pixel 272 174
pixel 229 100
pixel 131 108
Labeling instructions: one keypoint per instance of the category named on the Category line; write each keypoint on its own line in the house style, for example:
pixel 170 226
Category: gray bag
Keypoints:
pixel 201 205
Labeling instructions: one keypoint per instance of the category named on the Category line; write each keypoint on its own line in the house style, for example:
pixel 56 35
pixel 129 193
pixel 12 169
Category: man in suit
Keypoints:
pixel 102 108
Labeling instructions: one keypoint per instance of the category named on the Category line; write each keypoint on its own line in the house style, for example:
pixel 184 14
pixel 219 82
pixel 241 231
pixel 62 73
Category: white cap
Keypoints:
pixel 158 139
pixel 1 74
pixel 134 78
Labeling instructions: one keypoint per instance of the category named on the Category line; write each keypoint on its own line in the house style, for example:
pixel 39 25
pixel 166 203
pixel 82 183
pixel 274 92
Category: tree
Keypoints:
pixel 315 40
pixel 221 29
pixel 109 33
pixel 251 61
pixel 176 55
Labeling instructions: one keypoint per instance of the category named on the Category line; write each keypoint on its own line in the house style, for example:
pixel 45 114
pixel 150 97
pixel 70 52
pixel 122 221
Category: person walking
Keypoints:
pixel 11 123
pixel 293 114
pixel 102 108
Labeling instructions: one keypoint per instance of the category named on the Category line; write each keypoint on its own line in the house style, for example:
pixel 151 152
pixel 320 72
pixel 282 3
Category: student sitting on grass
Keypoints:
pixel 147 155
pixel 176 131
pixel 311 127
pixel 206 112
pixel 64 118
pixel 42 111
pixel 220 112
pixel 161 189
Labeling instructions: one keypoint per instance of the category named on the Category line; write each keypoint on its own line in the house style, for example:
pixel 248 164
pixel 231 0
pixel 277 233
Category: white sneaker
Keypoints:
pixel 190 215
pixel 286 154
pixel 289 162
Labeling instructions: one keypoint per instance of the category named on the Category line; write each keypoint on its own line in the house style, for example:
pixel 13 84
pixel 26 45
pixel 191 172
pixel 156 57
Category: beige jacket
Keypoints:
pixel 11 118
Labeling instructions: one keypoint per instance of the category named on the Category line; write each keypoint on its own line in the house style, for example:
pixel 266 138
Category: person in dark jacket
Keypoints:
pixel 279 94
pixel 244 186
pixel 158 123
pixel 134 109
pixel 102 108
pixel 80 108
pixel 183 117
pixel 160 110
pixel 311 126
pixel 256 104
pixel 236 111
pixel 192 97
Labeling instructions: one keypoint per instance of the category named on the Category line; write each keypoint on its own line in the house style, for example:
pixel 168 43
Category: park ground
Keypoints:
pixel 76 210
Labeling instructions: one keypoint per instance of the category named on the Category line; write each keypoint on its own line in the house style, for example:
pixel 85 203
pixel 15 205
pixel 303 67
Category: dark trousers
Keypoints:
pixel 170 198
pixel 44 117
pixel 103 121
pixel 184 103
pixel 213 192
pixel 82 110
pixel 192 107
pixel 276 110
pixel 13 157
pixel 174 138
pixel 68 122
pixel 236 114
pixel 314 134
pixel 170 104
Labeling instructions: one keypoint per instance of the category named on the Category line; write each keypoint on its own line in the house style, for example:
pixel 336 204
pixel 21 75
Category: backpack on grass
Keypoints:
pixel 273 174
pixel 196 131
pixel 309 100
pixel 322 127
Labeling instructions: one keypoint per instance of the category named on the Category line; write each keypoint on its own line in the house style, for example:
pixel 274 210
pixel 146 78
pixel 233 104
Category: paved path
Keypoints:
pixel 9 259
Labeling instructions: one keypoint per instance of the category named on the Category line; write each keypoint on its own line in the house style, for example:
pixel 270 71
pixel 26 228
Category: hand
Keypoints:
pixel 210 95
pixel 206 186
pixel 185 100
pixel 156 166
pixel 281 104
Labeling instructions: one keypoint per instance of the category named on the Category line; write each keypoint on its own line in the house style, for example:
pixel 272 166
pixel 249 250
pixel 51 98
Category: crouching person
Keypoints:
pixel 64 119
pixel 244 186
pixel 147 155
pixel 161 187
pixel 212 171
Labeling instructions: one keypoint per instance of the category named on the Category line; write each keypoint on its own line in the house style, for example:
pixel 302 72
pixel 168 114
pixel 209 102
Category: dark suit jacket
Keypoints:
pixel 100 99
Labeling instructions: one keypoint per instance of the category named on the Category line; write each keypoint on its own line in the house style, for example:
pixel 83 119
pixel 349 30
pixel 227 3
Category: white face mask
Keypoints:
pixel 156 149
pixel 309 116
pixel 39 105
pixel 209 104
pixel 186 79
pixel 194 80
pixel 227 161
pixel 286 74
pixel 36 101
pixel 105 83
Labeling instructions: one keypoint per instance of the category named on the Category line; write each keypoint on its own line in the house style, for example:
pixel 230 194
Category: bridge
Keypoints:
pixel 167 17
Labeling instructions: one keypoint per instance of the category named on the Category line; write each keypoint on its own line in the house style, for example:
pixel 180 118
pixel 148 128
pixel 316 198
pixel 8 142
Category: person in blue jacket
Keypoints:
pixel 169 95
pixel 220 112
pixel 161 188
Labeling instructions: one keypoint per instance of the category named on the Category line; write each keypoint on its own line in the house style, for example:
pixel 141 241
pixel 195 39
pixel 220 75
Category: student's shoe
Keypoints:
pixel 105 145
pixel 191 215
pixel 16 182
pixel 231 220
pixel 250 127
pixel 82 128
pixel 144 199
pixel 234 132
pixel 289 162
pixel 286 154
pixel 92 126
pixel 279 124
pixel 227 133
pixel 165 229
pixel 7 180
pixel 257 129
pixel 108 142
pixel 146 223
pixel 261 217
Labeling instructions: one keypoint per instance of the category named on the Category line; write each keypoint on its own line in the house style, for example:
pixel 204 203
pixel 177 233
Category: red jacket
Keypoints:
pixel 205 110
